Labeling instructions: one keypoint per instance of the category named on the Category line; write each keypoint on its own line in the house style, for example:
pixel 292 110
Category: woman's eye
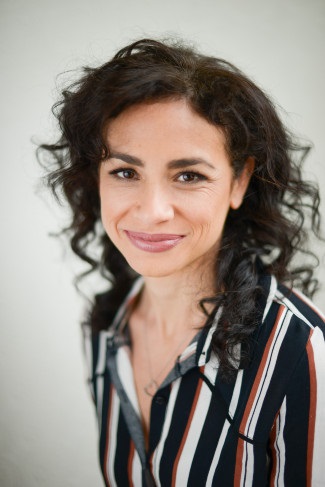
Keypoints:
pixel 190 177
pixel 124 173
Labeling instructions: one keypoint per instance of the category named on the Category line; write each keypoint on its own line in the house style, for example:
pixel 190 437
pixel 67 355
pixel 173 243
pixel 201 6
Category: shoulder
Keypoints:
pixel 288 355
pixel 300 306
pixel 282 303
pixel 292 328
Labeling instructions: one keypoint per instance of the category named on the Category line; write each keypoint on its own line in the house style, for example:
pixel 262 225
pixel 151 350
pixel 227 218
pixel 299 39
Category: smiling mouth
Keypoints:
pixel 154 242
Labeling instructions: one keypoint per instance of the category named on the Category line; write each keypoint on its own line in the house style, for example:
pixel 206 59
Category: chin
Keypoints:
pixel 152 270
pixel 145 272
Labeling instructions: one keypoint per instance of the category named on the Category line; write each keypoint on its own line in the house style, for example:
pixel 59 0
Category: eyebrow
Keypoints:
pixel 174 164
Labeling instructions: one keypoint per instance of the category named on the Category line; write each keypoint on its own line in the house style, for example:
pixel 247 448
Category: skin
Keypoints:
pixel 165 193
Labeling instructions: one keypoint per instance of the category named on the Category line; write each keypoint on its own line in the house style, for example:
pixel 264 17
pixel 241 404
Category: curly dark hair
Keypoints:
pixel 265 233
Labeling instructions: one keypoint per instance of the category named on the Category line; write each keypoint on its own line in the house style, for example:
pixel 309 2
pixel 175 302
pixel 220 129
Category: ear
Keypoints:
pixel 241 183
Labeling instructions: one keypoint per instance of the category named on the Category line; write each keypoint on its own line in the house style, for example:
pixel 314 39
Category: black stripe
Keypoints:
pixel 122 452
pixel 289 379
pixel 182 410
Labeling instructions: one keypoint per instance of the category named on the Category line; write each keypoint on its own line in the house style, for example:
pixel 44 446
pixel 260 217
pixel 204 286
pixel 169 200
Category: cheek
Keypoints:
pixel 115 199
pixel 209 219
pixel 203 223
pixel 110 208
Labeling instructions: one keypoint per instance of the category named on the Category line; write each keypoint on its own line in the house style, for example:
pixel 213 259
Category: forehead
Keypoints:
pixel 169 125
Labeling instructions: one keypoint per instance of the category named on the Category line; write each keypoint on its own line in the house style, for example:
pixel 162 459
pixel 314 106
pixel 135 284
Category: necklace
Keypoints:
pixel 152 386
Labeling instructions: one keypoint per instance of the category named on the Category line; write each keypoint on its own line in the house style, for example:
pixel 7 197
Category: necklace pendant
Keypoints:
pixel 151 388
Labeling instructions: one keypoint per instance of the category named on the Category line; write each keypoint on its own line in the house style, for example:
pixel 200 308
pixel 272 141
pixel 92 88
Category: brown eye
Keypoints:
pixel 124 173
pixel 127 174
pixel 190 177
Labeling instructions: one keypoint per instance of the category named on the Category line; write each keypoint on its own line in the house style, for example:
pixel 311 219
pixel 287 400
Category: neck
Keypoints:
pixel 171 304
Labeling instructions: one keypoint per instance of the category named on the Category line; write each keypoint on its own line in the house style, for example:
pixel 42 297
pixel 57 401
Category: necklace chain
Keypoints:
pixel 152 386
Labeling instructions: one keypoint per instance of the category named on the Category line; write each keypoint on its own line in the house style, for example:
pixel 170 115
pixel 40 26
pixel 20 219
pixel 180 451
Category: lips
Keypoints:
pixel 154 242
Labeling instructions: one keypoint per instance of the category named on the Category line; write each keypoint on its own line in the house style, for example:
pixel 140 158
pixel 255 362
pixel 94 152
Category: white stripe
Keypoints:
pixel 211 368
pixel 267 374
pixel 318 468
pixel 236 393
pixel 112 438
pixel 203 356
pixel 279 445
pixel 194 432
pixel 135 289
pixel 283 300
pixel 125 373
pixel 270 298
pixel 136 470
pixel 247 472
pixel 276 426
pixel 99 402
pixel 220 445
pixel 306 300
pixel 190 350
pixel 236 355
pixel 88 351
pixel 169 415
pixel 101 361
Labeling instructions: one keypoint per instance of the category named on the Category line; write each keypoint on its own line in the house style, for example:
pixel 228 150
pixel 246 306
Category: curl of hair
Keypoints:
pixel 267 231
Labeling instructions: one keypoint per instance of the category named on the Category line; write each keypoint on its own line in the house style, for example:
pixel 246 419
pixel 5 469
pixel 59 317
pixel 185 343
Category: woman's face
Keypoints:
pixel 166 188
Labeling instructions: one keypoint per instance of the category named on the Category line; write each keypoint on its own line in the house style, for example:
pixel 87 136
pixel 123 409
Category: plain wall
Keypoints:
pixel 48 431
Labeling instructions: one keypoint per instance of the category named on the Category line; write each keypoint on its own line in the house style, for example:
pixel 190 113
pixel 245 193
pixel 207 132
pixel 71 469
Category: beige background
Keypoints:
pixel 47 424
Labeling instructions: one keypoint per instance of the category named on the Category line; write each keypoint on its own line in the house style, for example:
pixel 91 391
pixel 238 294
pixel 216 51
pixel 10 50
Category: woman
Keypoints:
pixel 207 367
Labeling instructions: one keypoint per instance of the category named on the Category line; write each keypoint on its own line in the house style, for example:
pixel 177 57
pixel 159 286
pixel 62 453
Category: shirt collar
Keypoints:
pixel 197 353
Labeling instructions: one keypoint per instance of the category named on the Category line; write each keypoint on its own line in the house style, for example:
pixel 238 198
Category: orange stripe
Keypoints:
pixel 250 402
pixel 189 421
pixel 239 459
pixel 130 462
pixel 259 374
pixel 107 434
pixel 312 411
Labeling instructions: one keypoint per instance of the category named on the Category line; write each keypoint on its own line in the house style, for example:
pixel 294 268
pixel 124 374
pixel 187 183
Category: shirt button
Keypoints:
pixel 160 400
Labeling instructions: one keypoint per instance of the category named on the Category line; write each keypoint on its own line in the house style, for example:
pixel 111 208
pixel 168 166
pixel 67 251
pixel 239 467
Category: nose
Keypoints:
pixel 154 204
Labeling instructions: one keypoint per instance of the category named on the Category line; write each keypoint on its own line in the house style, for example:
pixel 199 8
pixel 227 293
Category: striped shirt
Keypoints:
pixel 267 428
